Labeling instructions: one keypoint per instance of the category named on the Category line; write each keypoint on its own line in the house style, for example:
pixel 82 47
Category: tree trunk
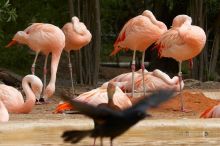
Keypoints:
pixel 197 12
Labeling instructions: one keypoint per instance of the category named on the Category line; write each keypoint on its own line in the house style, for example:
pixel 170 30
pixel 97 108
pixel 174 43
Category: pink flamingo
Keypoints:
pixel 138 34
pixel 109 94
pixel 12 100
pixel 182 42
pixel 211 112
pixel 45 38
pixel 77 36
pixel 154 80
pixel 4 116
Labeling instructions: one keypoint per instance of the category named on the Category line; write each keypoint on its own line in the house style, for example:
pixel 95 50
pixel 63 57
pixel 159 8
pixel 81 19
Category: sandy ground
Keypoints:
pixel 194 100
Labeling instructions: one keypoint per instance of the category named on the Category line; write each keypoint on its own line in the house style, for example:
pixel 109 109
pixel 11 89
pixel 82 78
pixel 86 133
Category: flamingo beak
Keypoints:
pixel 13 42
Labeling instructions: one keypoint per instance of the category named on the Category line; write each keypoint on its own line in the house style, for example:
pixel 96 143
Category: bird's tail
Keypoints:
pixel 207 113
pixel 63 107
pixel 75 136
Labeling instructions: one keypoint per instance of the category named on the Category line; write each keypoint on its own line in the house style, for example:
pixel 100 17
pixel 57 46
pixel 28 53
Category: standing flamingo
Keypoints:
pixel 138 34
pixel 45 38
pixel 13 100
pixel 182 42
pixel 77 36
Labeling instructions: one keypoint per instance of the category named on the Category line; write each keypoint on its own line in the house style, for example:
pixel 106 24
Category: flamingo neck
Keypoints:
pixel 54 65
pixel 4 116
pixel 30 97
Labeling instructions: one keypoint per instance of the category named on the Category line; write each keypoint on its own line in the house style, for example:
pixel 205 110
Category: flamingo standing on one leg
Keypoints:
pixel 182 42
pixel 77 36
pixel 138 34
pixel 12 100
pixel 45 38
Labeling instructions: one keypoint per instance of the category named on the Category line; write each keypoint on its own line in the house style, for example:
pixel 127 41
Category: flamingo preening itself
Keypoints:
pixel 182 41
pixel 138 34
pixel 45 38
pixel 77 36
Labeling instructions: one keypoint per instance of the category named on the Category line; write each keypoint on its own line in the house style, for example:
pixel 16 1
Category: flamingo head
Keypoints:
pixel 75 19
pixel 49 91
pixel 180 20
pixel 147 13
pixel 19 37
pixel 36 86
pixel 111 89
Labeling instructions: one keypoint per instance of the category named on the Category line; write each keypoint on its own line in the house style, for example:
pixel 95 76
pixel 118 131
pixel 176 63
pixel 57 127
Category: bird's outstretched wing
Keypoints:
pixel 90 110
pixel 151 101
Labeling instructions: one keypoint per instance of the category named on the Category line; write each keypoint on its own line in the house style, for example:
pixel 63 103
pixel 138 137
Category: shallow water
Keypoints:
pixel 148 132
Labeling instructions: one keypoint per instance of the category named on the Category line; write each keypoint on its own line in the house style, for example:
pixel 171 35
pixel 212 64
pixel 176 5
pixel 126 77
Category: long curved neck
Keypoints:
pixel 4 116
pixel 54 65
pixel 30 97
pixel 183 22
pixel 157 23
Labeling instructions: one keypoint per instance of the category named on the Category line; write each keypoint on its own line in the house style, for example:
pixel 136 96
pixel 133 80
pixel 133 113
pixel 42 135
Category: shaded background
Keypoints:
pixel 104 19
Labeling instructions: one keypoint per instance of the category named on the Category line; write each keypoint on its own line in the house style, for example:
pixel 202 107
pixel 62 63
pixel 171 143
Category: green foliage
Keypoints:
pixel 7 13
pixel 17 58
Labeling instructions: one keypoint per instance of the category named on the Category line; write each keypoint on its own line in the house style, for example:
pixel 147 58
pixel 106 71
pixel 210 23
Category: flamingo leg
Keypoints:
pixel 34 63
pixel 45 78
pixel 94 141
pixel 180 80
pixel 143 67
pixel 101 141
pixel 111 141
pixel 71 72
pixel 133 70
pixel 45 72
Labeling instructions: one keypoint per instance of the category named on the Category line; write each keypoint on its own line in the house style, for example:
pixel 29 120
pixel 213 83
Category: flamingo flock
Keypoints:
pixel 183 41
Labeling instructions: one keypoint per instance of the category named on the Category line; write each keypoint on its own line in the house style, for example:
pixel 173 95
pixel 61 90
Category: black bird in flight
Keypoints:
pixel 109 122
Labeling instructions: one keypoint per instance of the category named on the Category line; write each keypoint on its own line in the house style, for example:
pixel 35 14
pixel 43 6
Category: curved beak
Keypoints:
pixel 37 96
pixel 13 42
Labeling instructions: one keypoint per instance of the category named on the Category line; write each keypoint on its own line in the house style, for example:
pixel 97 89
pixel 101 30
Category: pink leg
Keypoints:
pixel 45 79
pixel 34 63
pixel 94 141
pixel 143 68
pixel 133 70
pixel 111 141
pixel 71 73
pixel 181 97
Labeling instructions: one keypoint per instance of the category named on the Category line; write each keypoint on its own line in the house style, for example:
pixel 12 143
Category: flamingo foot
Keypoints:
pixel 37 102
pixel 185 110
pixel 43 101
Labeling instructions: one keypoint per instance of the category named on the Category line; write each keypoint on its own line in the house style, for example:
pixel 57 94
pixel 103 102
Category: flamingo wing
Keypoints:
pixel 170 43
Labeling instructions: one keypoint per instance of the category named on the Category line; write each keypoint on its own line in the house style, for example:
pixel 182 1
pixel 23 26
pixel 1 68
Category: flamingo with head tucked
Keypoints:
pixel 45 38
pixel 12 100
pixel 182 42
pixel 77 36
pixel 138 34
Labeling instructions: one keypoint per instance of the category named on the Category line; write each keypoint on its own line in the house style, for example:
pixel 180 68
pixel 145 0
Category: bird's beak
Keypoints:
pixel 13 42
pixel 38 96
